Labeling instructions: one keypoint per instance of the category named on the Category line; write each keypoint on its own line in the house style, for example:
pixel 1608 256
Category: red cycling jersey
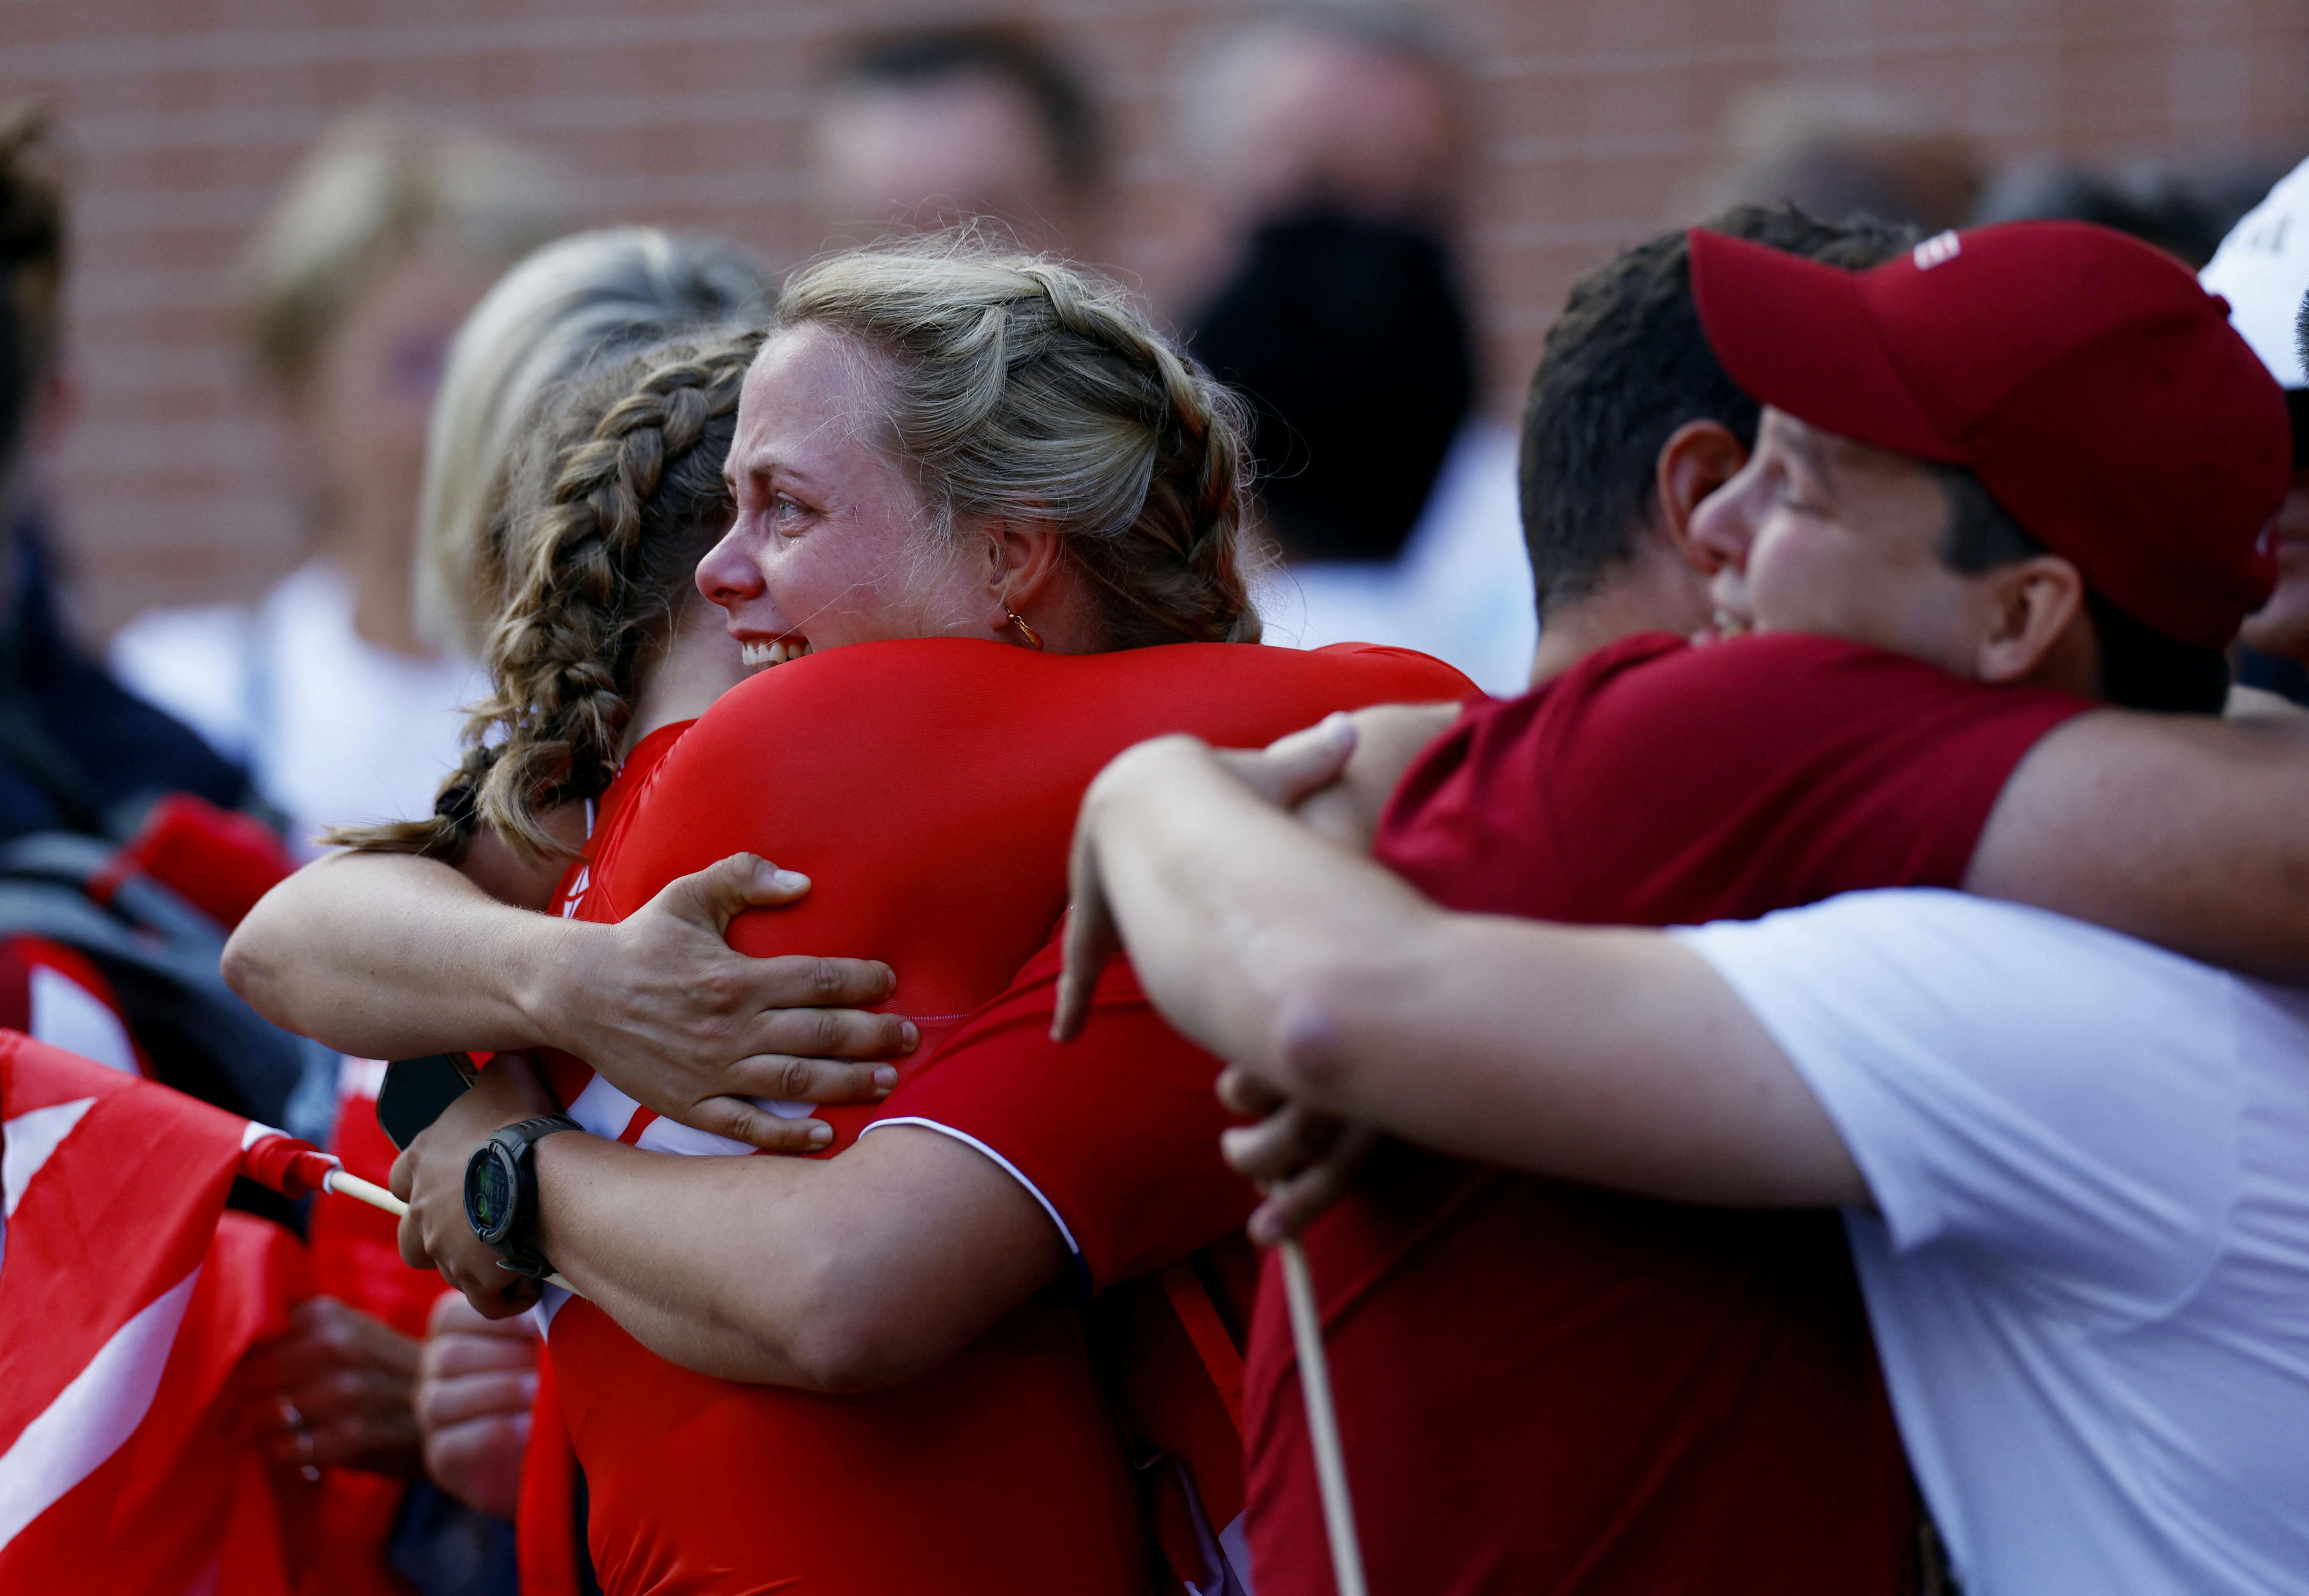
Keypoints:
pixel 929 789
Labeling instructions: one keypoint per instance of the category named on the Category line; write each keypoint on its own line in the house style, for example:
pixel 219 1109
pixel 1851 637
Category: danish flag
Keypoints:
pixel 124 1307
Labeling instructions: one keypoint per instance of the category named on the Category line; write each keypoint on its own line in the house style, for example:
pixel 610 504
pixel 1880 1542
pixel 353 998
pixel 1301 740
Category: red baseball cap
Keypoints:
pixel 2097 391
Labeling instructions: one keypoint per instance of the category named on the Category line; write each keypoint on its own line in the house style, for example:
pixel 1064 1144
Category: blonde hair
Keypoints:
pixel 375 188
pixel 1022 389
pixel 622 496
pixel 578 304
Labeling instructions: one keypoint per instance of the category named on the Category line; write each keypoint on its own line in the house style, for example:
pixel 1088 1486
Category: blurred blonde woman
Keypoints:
pixel 386 236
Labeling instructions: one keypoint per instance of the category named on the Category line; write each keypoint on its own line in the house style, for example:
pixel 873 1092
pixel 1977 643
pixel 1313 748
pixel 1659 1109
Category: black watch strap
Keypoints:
pixel 517 1251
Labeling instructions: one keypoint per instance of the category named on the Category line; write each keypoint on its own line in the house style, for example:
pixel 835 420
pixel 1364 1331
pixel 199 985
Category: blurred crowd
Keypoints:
pixel 418 298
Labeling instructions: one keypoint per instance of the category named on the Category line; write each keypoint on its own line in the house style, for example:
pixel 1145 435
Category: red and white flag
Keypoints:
pixel 124 1307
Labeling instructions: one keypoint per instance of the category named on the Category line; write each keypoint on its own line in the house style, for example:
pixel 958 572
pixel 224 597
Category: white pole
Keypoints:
pixel 1322 1422
pixel 345 1183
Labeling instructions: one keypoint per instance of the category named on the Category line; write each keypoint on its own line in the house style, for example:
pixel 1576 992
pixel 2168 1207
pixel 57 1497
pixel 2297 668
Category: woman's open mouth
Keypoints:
pixel 758 656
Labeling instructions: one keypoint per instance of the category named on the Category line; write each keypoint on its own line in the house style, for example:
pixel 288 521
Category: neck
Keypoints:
pixel 376 561
pixel 695 666
pixel 1655 591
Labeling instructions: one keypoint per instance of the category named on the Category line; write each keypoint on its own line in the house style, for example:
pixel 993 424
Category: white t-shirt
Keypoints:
pixel 1460 590
pixel 332 729
pixel 2089 1267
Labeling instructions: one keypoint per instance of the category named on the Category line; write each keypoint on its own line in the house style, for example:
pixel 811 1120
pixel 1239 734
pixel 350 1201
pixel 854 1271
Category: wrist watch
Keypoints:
pixel 501 1193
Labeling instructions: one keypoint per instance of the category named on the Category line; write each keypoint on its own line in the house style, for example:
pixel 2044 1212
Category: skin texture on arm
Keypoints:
pixel 391 955
pixel 836 1274
pixel 1616 1057
pixel 2184 831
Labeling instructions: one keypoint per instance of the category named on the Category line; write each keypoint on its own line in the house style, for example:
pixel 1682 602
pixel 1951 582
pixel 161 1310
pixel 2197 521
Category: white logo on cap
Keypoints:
pixel 1938 251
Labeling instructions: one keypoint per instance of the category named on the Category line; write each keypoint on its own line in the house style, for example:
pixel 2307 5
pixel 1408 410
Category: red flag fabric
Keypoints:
pixel 127 1297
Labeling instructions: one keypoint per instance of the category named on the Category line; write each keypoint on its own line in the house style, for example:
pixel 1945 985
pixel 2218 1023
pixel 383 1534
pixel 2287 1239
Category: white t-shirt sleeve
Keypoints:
pixel 2011 1081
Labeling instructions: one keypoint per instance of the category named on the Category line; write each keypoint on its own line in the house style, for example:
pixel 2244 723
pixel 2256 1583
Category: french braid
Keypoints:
pixel 1025 389
pixel 620 504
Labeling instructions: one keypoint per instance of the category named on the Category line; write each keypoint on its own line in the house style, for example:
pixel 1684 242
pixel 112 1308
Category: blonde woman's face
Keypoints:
pixel 827 549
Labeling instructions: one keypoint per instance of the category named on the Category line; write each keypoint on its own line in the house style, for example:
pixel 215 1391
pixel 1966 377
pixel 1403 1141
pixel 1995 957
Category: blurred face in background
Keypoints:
pixel 828 547
pixel 362 415
pixel 1325 119
pixel 2281 626
pixel 921 155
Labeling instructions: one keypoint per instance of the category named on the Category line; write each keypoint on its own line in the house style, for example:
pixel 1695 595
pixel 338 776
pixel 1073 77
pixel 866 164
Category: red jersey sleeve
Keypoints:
pixel 1656 783
pixel 1117 1134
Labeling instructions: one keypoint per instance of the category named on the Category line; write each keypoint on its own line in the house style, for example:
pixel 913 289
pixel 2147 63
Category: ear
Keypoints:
pixel 1698 458
pixel 2034 608
pixel 1022 558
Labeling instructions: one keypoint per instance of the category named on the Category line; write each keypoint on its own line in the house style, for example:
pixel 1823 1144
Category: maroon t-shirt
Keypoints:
pixel 1543 1387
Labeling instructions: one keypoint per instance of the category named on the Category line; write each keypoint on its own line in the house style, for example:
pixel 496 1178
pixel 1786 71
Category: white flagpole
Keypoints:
pixel 1322 1422
pixel 345 1183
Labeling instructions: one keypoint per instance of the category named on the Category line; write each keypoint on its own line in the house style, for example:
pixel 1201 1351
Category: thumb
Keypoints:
pixel 1291 767
pixel 727 888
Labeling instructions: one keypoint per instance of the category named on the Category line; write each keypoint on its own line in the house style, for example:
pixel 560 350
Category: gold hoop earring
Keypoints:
pixel 1034 638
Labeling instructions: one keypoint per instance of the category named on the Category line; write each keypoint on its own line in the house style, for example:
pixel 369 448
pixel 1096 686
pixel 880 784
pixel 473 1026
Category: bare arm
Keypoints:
pixel 2184 831
pixel 1612 1057
pixel 839 1274
pixel 389 955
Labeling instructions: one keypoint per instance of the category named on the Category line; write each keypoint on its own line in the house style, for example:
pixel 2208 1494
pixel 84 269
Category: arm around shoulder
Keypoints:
pixel 2183 830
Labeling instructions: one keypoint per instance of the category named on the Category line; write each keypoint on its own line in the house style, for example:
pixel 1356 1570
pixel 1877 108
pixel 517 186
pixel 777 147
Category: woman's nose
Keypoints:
pixel 727 576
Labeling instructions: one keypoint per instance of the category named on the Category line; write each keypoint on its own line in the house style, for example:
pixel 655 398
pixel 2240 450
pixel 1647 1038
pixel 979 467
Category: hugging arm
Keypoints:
pixel 1612 1057
pixel 2180 830
pixel 836 1274
pixel 390 955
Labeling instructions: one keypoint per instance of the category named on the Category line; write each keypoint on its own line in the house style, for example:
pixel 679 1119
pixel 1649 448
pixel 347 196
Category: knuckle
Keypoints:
pixel 825 979
pixel 793 1080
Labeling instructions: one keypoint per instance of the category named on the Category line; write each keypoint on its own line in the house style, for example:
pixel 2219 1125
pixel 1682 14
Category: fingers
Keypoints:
pixel 1282 1144
pixel 1091 939
pixel 807 1012
pixel 727 888
pixel 457 1400
pixel 452 1321
pixel 750 1122
pixel 1241 1092
pixel 809 1080
pixel 1293 1203
pixel 1290 768
pixel 479 1462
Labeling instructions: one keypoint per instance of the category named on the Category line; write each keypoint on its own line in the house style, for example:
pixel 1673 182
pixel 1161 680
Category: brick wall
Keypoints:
pixel 1598 117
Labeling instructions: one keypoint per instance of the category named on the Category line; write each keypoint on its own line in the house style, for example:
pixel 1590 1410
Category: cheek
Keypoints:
pixel 1794 568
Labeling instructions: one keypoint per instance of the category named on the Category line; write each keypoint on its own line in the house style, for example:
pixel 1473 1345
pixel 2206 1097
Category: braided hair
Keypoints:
pixel 1022 389
pixel 622 495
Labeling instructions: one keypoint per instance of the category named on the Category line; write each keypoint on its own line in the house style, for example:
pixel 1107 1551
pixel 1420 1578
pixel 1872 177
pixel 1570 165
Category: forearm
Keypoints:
pixel 1616 1057
pixel 708 1262
pixel 837 1274
pixel 387 956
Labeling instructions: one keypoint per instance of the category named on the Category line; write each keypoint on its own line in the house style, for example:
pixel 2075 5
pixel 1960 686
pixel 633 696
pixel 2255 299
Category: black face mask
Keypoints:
pixel 1348 339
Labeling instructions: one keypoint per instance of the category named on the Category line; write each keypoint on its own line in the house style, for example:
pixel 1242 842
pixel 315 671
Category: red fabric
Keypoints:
pixel 219 862
pixel 1120 1133
pixel 1544 1387
pixel 132 1298
pixel 546 1521
pixel 21 957
pixel 928 789
pixel 2096 389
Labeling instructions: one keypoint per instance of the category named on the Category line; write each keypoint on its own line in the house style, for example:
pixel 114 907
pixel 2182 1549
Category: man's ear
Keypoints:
pixel 2035 621
pixel 1698 458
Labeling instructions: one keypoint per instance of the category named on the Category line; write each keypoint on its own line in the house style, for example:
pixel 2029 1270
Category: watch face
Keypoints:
pixel 492 1192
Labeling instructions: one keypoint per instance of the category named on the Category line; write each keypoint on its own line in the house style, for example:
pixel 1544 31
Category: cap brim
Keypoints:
pixel 1798 336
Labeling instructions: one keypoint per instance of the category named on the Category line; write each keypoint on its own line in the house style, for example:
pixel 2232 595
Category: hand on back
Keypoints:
pixel 671 1015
